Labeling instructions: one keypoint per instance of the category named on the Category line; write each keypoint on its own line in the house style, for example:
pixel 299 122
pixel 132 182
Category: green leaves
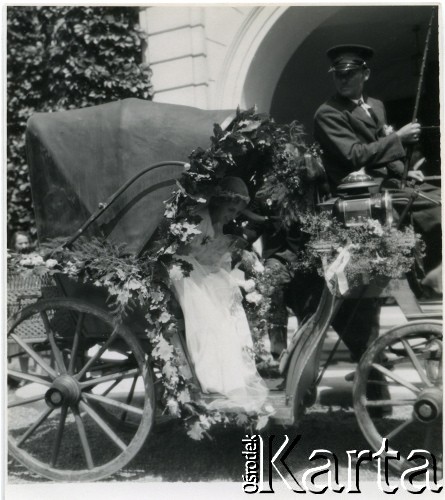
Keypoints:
pixel 65 58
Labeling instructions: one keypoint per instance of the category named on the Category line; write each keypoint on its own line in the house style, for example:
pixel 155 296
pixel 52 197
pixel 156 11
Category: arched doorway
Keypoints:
pixel 397 35
pixel 278 61
pixel 259 52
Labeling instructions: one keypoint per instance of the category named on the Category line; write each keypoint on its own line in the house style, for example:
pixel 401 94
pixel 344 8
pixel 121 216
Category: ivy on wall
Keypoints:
pixel 65 58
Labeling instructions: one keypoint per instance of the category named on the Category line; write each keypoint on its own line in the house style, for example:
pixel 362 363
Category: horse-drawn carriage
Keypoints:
pixel 90 381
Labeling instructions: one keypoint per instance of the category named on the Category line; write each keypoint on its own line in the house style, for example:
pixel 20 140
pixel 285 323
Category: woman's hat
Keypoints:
pixel 232 187
pixel 349 57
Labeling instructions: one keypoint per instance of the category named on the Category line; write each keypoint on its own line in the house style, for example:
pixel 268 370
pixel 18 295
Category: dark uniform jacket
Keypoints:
pixel 350 140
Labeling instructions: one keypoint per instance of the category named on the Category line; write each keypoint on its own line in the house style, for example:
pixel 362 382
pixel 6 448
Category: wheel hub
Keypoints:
pixel 428 406
pixel 65 390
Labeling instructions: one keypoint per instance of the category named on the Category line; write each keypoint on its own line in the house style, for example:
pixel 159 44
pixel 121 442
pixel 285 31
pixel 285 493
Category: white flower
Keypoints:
pixel 388 129
pixel 133 284
pixel 175 272
pixel 375 227
pixel 50 263
pixel 173 406
pixel 36 259
pixel 269 202
pixel 164 317
pixel 196 431
pixel 254 298
pixel 262 422
pixel 184 230
pixel 258 266
pixel 184 396
pixel 31 260
pixel 163 350
pixel 248 285
pixel 204 421
pixel 170 212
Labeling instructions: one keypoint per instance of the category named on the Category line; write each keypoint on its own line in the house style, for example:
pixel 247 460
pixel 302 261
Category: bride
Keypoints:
pixel 217 332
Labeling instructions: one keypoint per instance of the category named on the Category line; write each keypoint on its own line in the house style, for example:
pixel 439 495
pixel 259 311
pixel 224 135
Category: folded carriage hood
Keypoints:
pixel 79 158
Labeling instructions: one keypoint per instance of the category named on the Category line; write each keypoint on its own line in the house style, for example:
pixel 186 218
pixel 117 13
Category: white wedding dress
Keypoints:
pixel 217 332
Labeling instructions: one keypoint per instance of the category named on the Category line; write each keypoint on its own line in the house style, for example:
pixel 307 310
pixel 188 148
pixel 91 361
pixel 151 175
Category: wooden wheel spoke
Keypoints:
pixel 116 366
pixel 82 364
pixel 106 378
pixel 43 416
pixel 414 360
pixel 32 354
pixel 83 439
pixel 396 378
pixel 111 387
pixel 76 341
pixel 113 402
pixel 20 402
pixel 403 359
pixel 29 377
pixel 103 425
pixel 399 429
pixel 97 355
pixel 58 356
pixel 61 426
pixel 129 397
pixel 390 402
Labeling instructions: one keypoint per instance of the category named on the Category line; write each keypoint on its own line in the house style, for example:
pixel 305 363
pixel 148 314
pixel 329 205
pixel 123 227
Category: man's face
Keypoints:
pixel 350 83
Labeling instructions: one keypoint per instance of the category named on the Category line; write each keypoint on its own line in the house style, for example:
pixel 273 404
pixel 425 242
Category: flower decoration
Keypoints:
pixel 279 168
pixel 376 250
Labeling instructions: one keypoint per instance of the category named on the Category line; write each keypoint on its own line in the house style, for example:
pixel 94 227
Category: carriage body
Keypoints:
pixel 102 171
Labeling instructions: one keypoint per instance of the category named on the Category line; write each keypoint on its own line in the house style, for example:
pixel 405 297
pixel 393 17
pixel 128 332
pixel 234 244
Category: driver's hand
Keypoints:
pixel 417 175
pixel 410 133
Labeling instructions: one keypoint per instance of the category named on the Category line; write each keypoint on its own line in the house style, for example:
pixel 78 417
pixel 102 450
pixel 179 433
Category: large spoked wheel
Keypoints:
pixel 405 365
pixel 79 380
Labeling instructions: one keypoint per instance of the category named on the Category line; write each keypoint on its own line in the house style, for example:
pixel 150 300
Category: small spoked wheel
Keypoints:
pixel 400 378
pixel 84 404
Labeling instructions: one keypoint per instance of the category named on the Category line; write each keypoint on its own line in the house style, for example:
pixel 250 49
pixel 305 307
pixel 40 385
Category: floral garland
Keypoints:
pixel 252 147
pixel 132 281
pixel 280 168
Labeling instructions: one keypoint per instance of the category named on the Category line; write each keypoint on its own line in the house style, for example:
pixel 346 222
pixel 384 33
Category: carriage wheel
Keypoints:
pixel 406 363
pixel 79 369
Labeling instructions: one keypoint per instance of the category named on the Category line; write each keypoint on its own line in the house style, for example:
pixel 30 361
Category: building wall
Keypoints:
pixel 274 56
pixel 186 49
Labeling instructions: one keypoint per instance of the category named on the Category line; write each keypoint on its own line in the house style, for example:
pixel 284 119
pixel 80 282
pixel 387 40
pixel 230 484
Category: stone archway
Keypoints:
pixel 259 52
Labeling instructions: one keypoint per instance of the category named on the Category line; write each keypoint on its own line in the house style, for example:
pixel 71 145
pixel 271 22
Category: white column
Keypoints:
pixel 176 53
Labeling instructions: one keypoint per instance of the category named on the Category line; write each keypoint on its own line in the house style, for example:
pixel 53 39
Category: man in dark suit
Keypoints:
pixel 351 129
pixel 352 132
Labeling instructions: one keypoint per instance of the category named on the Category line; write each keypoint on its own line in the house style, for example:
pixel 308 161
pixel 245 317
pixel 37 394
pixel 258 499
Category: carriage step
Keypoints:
pixel 276 398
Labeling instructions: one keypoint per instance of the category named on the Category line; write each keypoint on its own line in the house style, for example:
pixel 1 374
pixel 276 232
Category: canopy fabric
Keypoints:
pixel 79 158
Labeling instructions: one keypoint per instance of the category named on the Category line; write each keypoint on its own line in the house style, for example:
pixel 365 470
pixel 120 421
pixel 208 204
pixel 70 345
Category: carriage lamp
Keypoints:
pixel 358 200
pixel 354 211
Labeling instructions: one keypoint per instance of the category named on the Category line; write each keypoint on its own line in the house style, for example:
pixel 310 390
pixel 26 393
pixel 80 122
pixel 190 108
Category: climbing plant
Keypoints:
pixel 65 58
